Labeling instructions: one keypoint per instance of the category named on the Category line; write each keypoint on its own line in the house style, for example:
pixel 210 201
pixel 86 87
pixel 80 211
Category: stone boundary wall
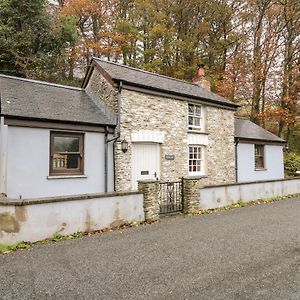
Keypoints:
pixel 37 219
pixel 190 195
pixel 227 194
pixel 150 190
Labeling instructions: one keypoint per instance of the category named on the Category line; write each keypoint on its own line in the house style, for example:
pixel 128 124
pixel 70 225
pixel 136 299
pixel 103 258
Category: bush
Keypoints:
pixel 291 163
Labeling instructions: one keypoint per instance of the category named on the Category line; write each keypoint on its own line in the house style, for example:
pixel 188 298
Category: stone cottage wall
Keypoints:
pixel 220 151
pixel 146 112
pixel 140 111
pixel 103 90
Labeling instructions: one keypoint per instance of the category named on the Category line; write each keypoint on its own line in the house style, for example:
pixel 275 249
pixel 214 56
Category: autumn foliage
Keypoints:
pixel 250 48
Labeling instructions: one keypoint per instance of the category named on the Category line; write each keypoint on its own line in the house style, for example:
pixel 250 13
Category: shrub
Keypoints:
pixel 291 163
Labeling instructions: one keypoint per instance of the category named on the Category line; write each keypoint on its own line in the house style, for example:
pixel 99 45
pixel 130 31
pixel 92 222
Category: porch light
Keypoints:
pixel 124 146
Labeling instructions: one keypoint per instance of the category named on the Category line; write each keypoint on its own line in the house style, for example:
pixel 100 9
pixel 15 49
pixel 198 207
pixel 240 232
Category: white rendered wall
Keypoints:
pixel 222 195
pixel 28 165
pixel 274 166
pixel 40 221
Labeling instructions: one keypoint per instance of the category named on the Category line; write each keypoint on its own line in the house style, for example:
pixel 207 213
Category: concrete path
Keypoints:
pixel 245 253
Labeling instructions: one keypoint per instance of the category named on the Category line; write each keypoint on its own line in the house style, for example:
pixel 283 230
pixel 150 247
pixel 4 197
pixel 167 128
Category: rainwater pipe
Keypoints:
pixel 236 158
pixel 113 139
pixel 3 155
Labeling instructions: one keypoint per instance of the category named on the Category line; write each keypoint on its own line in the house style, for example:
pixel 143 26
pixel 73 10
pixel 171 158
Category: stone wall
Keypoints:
pixel 151 203
pixel 141 111
pixel 190 190
pixel 146 112
pixel 103 90
pixel 220 151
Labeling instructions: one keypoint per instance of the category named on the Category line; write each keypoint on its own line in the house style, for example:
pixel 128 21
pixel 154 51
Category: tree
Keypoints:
pixel 290 81
pixel 28 43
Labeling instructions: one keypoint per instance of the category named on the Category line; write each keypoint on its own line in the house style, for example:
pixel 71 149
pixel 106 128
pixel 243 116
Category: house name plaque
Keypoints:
pixel 169 156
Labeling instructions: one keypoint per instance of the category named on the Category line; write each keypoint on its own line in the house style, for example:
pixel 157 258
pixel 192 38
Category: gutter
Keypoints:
pixel 260 141
pixel 113 139
pixel 44 120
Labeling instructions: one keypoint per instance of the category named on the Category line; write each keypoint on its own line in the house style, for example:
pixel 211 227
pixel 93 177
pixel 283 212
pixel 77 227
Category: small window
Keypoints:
pixel 196 160
pixel 259 157
pixel 66 153
pixel 195 117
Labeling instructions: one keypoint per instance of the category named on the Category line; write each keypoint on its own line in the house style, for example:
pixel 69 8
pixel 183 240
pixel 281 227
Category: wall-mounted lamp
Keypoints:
pixel 124 146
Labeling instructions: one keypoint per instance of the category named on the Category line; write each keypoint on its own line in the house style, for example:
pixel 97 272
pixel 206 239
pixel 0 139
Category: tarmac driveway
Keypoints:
pixel 245 253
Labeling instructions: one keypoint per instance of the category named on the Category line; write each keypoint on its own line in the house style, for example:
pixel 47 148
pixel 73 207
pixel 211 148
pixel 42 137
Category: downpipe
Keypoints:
pixel 3 157
pixel 236 159
pixel 113 139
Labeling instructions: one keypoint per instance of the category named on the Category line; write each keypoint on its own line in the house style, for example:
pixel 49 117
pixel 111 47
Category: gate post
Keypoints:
pixel 191 195
pixel 150 190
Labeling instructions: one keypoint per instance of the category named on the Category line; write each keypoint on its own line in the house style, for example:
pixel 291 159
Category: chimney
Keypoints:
pixel 201 80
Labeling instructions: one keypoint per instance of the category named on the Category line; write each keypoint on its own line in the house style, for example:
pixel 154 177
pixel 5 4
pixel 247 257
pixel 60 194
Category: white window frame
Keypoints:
pixel 201 159
pixel 194 116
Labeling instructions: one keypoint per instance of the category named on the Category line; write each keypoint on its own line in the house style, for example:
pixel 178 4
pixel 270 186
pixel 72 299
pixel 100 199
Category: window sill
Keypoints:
pixel 260 169
pixel 66 177
pixel 196 176
pixel 197 132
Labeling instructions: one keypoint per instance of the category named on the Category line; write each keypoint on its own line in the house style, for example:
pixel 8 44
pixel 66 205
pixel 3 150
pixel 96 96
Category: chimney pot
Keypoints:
pixel 201 72
pixel 201 80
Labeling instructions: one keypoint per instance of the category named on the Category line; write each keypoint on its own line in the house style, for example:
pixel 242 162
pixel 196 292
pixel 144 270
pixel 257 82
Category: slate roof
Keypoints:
pixel 149 80
pixel 245 129
pixel 33 99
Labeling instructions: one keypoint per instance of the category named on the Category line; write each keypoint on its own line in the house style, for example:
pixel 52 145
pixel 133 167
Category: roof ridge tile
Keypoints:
pixel 42 82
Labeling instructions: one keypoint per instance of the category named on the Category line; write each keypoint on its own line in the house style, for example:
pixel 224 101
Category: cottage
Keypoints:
pixel 122 126
pixel 259 153
pixel 53 140
pixel 172 128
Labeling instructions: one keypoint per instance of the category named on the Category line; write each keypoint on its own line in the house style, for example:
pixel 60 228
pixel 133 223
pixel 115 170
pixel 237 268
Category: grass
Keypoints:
pixel 4 248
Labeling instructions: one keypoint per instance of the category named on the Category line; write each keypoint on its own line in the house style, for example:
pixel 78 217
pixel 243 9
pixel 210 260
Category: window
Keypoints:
pixel 195 117
pixel 66 153
pixel 259 151
pixel 196 160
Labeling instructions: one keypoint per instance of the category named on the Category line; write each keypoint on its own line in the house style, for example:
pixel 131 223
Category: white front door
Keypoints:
pixel 145 162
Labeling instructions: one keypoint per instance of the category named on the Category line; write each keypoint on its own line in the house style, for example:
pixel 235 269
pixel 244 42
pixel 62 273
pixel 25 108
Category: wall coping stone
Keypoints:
pixel 17 202
pixel 148 181
pixel 250 182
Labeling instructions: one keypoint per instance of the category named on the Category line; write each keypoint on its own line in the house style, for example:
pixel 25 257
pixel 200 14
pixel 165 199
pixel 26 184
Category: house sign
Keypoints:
pixel 169 156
